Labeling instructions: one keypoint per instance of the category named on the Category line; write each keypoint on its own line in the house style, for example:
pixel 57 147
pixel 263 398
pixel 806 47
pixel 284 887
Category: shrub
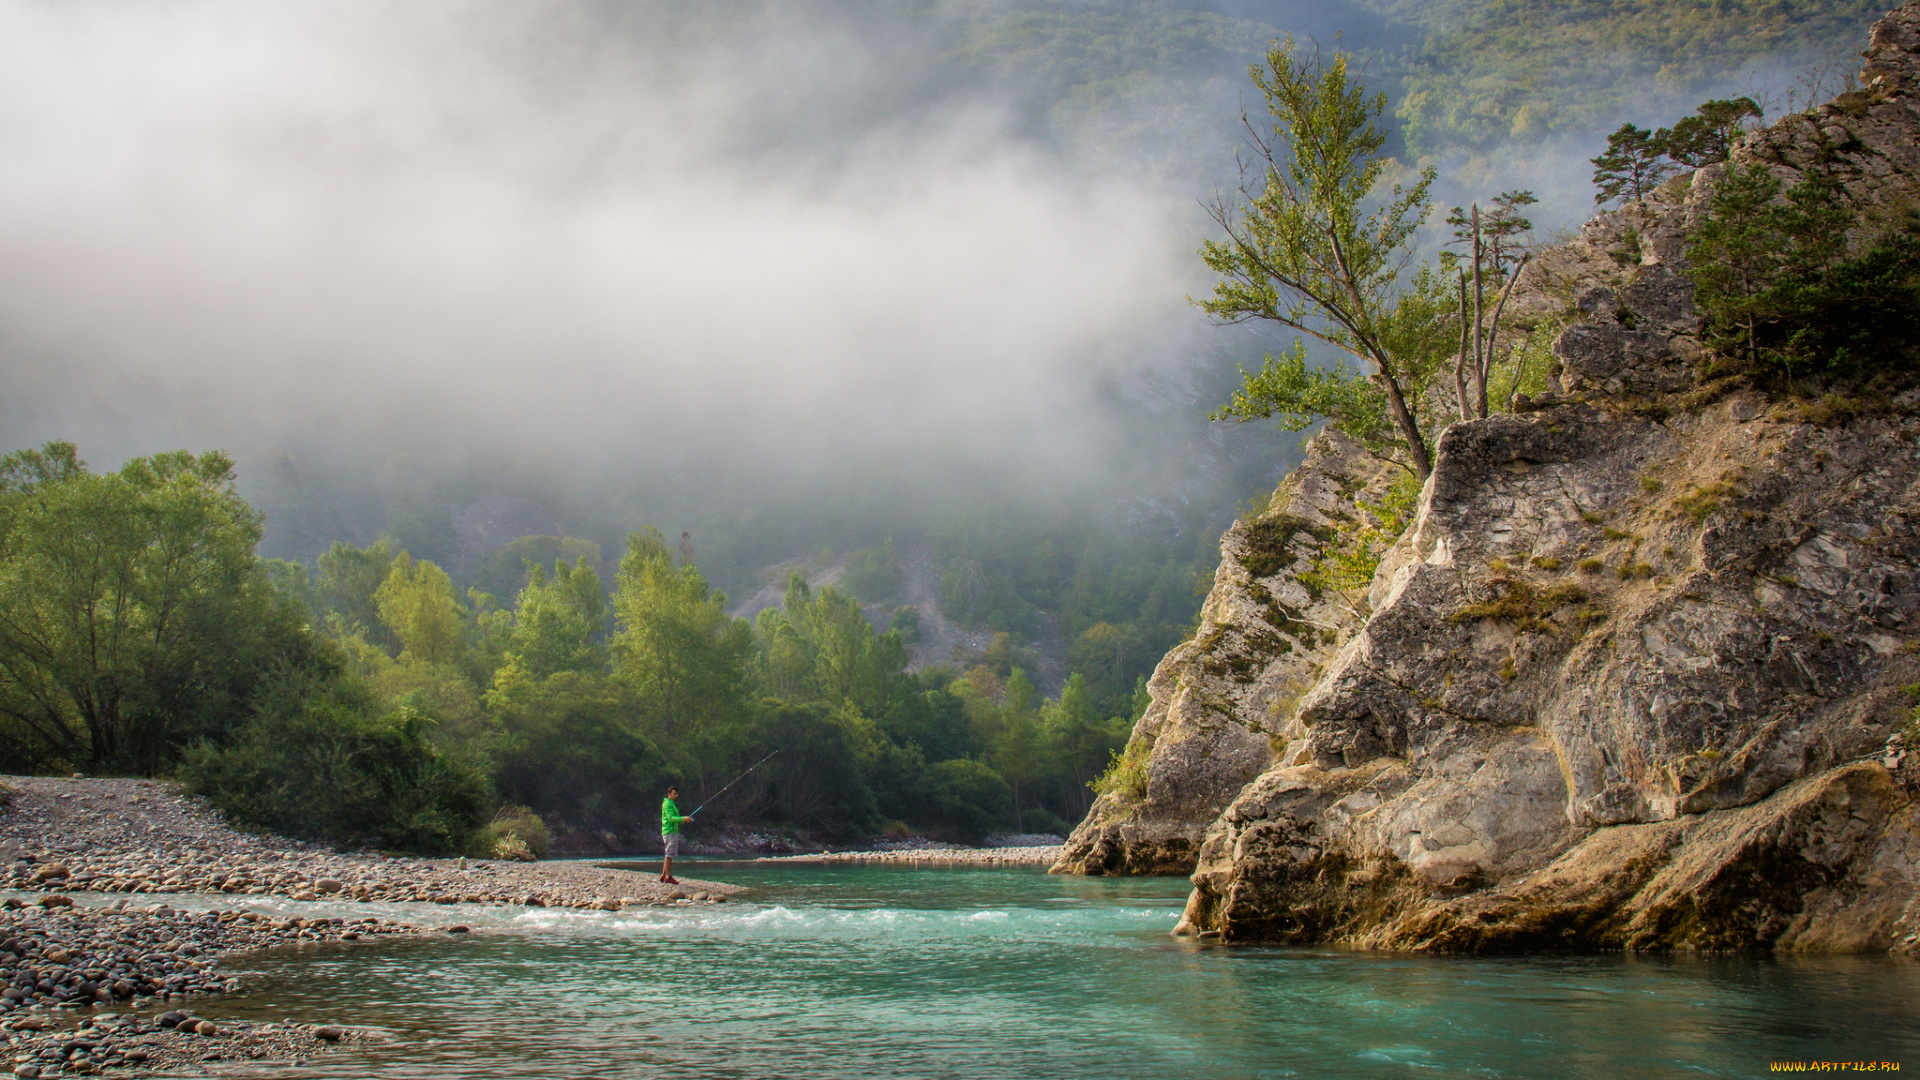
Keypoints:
pixel 1126 773
pixel 966 798
pixel 1700 502
pixel 1523 605
pixel 516 834
pixel 320 761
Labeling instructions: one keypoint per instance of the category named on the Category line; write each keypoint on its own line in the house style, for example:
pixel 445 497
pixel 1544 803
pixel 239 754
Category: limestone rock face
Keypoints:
pixel 1636 675
pixel 1219 700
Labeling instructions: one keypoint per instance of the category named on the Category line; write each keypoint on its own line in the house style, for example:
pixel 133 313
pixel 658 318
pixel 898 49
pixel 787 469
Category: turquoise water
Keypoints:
pixel 830 972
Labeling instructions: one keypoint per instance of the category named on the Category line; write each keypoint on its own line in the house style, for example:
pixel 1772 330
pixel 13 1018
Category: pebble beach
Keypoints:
pixel 98 970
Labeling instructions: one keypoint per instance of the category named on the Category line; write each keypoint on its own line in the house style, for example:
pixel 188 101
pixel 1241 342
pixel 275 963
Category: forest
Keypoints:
pixel 375 702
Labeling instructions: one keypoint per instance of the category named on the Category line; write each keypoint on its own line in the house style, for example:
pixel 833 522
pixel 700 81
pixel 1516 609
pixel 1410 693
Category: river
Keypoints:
pixel 848 971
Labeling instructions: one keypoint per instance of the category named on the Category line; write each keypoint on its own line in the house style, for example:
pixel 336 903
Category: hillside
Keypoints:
pixel 1491 73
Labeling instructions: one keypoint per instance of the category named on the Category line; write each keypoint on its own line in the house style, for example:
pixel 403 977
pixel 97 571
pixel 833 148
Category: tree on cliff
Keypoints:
pixel 1310 246
pixel 1796 283
pixel 1634 163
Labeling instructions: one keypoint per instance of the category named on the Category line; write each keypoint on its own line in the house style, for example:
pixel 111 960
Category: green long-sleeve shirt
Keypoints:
pixel 670 818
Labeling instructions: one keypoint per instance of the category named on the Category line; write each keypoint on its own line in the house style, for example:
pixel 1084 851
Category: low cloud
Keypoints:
pixel 558 228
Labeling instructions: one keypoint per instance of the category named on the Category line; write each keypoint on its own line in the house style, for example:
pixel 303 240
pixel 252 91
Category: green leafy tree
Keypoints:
pixel 134 618
pixel 874 574
pixel 683 656
pixel 1104 655
pixel 1501 231
pixel 567 744
pixel 1080 742
pixel 418 605
pixel 1308 247
pixel 560 623
pixel 968 797
pixel 1018 749
pixel 817 779
pixel 1633 165
pixel 821 647
pixel 349 577
pixel 506 571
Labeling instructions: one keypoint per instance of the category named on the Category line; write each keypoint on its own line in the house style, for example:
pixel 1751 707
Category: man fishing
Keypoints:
pixel 670 822
pixel 670 819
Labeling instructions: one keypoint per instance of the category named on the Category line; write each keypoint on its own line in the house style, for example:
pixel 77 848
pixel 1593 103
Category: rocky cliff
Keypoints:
pixel 1638 674
pixel 1220 703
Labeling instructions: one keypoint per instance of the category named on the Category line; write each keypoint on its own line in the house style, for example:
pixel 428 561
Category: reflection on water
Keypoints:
pixel 845 971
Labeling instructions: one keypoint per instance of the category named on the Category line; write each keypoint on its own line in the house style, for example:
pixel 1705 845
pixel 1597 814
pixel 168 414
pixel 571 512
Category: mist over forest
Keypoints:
pixel 824 287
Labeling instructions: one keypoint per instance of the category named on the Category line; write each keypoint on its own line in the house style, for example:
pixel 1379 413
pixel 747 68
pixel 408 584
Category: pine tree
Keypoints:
pixel 1633 165
pixel 1706 138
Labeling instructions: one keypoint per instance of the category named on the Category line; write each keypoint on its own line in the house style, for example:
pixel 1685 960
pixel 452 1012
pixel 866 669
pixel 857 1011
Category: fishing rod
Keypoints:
pixel 730 783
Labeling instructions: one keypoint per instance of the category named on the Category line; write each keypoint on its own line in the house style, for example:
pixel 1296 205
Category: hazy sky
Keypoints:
pixel 621 236
pixel 436 225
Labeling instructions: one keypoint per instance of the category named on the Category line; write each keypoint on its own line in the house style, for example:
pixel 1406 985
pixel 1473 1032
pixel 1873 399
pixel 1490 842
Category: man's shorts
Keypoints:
pixel 671 841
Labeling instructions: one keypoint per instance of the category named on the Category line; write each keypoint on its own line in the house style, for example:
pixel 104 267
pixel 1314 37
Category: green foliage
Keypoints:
pixel 1706 137
pixel 1307 246
pixel 1632 166
pixel 1299 396
pixel 1701 501
pixel 506 571
pixel 1522 603
pixel 1349 565
pixel 821 647
pixel 515 834
pixel 683 657
pixel 1491 71
pixel 817 779
pixel 560 623
pixel 1637 160
pixel 1401 502
pixel 1105 655
pixel 967 797
pixel 1126 773
pixel 1794 284
pixel 570 745
pixel 349 577
pixel 418 605
pixel 905 621
pixel 134 618
pixel 576 708
pixel 1503 229
pixel 1080 739
pixel 1002 571
pixel 319 760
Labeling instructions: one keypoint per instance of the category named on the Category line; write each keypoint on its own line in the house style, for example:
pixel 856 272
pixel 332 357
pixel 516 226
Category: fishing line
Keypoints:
pixel 730 783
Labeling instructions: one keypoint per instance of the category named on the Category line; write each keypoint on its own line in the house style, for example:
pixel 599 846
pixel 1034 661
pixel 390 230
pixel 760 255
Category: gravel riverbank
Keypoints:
pixel 148 958
pixel 1000 856
pixel 67 942
pixel 138 836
